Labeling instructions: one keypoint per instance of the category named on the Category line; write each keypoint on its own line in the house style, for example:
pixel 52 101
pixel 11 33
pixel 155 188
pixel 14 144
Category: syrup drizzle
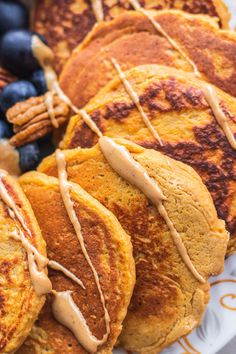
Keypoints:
pixel 134 97
pixel 97 10
pixel 213 101
pixel 51 112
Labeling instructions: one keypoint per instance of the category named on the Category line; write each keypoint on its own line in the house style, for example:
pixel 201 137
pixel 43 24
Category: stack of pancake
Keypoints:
pixel 137 205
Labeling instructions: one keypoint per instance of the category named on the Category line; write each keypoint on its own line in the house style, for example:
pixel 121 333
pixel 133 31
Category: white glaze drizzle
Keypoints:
pixel 64 303
pixel 10 203
pixel 212 99
pixel 120 159
pixel 88 120
pixel 67 313
pixel 97 10
pixel 45 57
pixel 134 97
pixel 51 112
pixel 209 92
pixel 39 279
pixel 57 266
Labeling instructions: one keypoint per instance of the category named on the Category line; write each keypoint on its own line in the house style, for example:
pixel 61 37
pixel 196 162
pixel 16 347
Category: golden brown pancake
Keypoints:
pixel 65 23
pixel 175 104
pixel 168 301
pixel 19 304
pixel 111 253
pixel 132 39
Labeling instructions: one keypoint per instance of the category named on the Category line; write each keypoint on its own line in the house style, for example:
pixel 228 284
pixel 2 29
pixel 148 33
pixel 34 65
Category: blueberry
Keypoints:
pixel 29 156
pixel 38 79
pixel 5 130
pixel 15 92
pixel 2 114
pixel 16 53
pixel 46 146
pixel 13 15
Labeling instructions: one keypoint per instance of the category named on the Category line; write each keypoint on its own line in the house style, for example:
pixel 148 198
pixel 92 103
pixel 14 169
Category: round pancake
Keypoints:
pixel 65 23
pixel 168 301
pixel 175 104
pixel 19 304
pixel 132 40
pixel 111 254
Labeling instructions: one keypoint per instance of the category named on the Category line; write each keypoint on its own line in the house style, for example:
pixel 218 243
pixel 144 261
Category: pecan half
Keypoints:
pixel 5 78
pixel 36 117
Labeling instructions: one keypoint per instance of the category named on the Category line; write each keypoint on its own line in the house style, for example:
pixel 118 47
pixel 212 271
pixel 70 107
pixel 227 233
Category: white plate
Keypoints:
pixel 218 326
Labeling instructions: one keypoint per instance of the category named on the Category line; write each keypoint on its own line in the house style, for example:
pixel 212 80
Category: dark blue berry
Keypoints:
pixel 38 79
pixel 16 92
pixel 46 146
pixel 13 15
pixel 5 130
pixel 29 156
pixel 16 53
pixel 2 114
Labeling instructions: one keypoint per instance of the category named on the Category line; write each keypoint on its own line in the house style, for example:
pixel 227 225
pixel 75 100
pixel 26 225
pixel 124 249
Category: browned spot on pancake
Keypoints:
pixel 2 304
pixel 170 95
pixel 85 135
pixel 227 113
pixel 119 110
pixel 6 268
pixel 198 6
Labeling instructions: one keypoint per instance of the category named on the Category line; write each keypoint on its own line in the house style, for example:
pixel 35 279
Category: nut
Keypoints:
pixel 34 118
pixel 5 78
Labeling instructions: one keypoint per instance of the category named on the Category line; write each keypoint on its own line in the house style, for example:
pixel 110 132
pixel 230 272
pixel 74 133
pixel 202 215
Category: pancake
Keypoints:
pixel 65 23
pixel 175 104
pixel 20 305
pixel 133 40
pixel 111 254
pixel 168 301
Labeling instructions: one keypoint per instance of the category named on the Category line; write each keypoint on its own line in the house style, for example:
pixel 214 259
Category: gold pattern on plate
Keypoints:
pixel 228 296
pixel 187 346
